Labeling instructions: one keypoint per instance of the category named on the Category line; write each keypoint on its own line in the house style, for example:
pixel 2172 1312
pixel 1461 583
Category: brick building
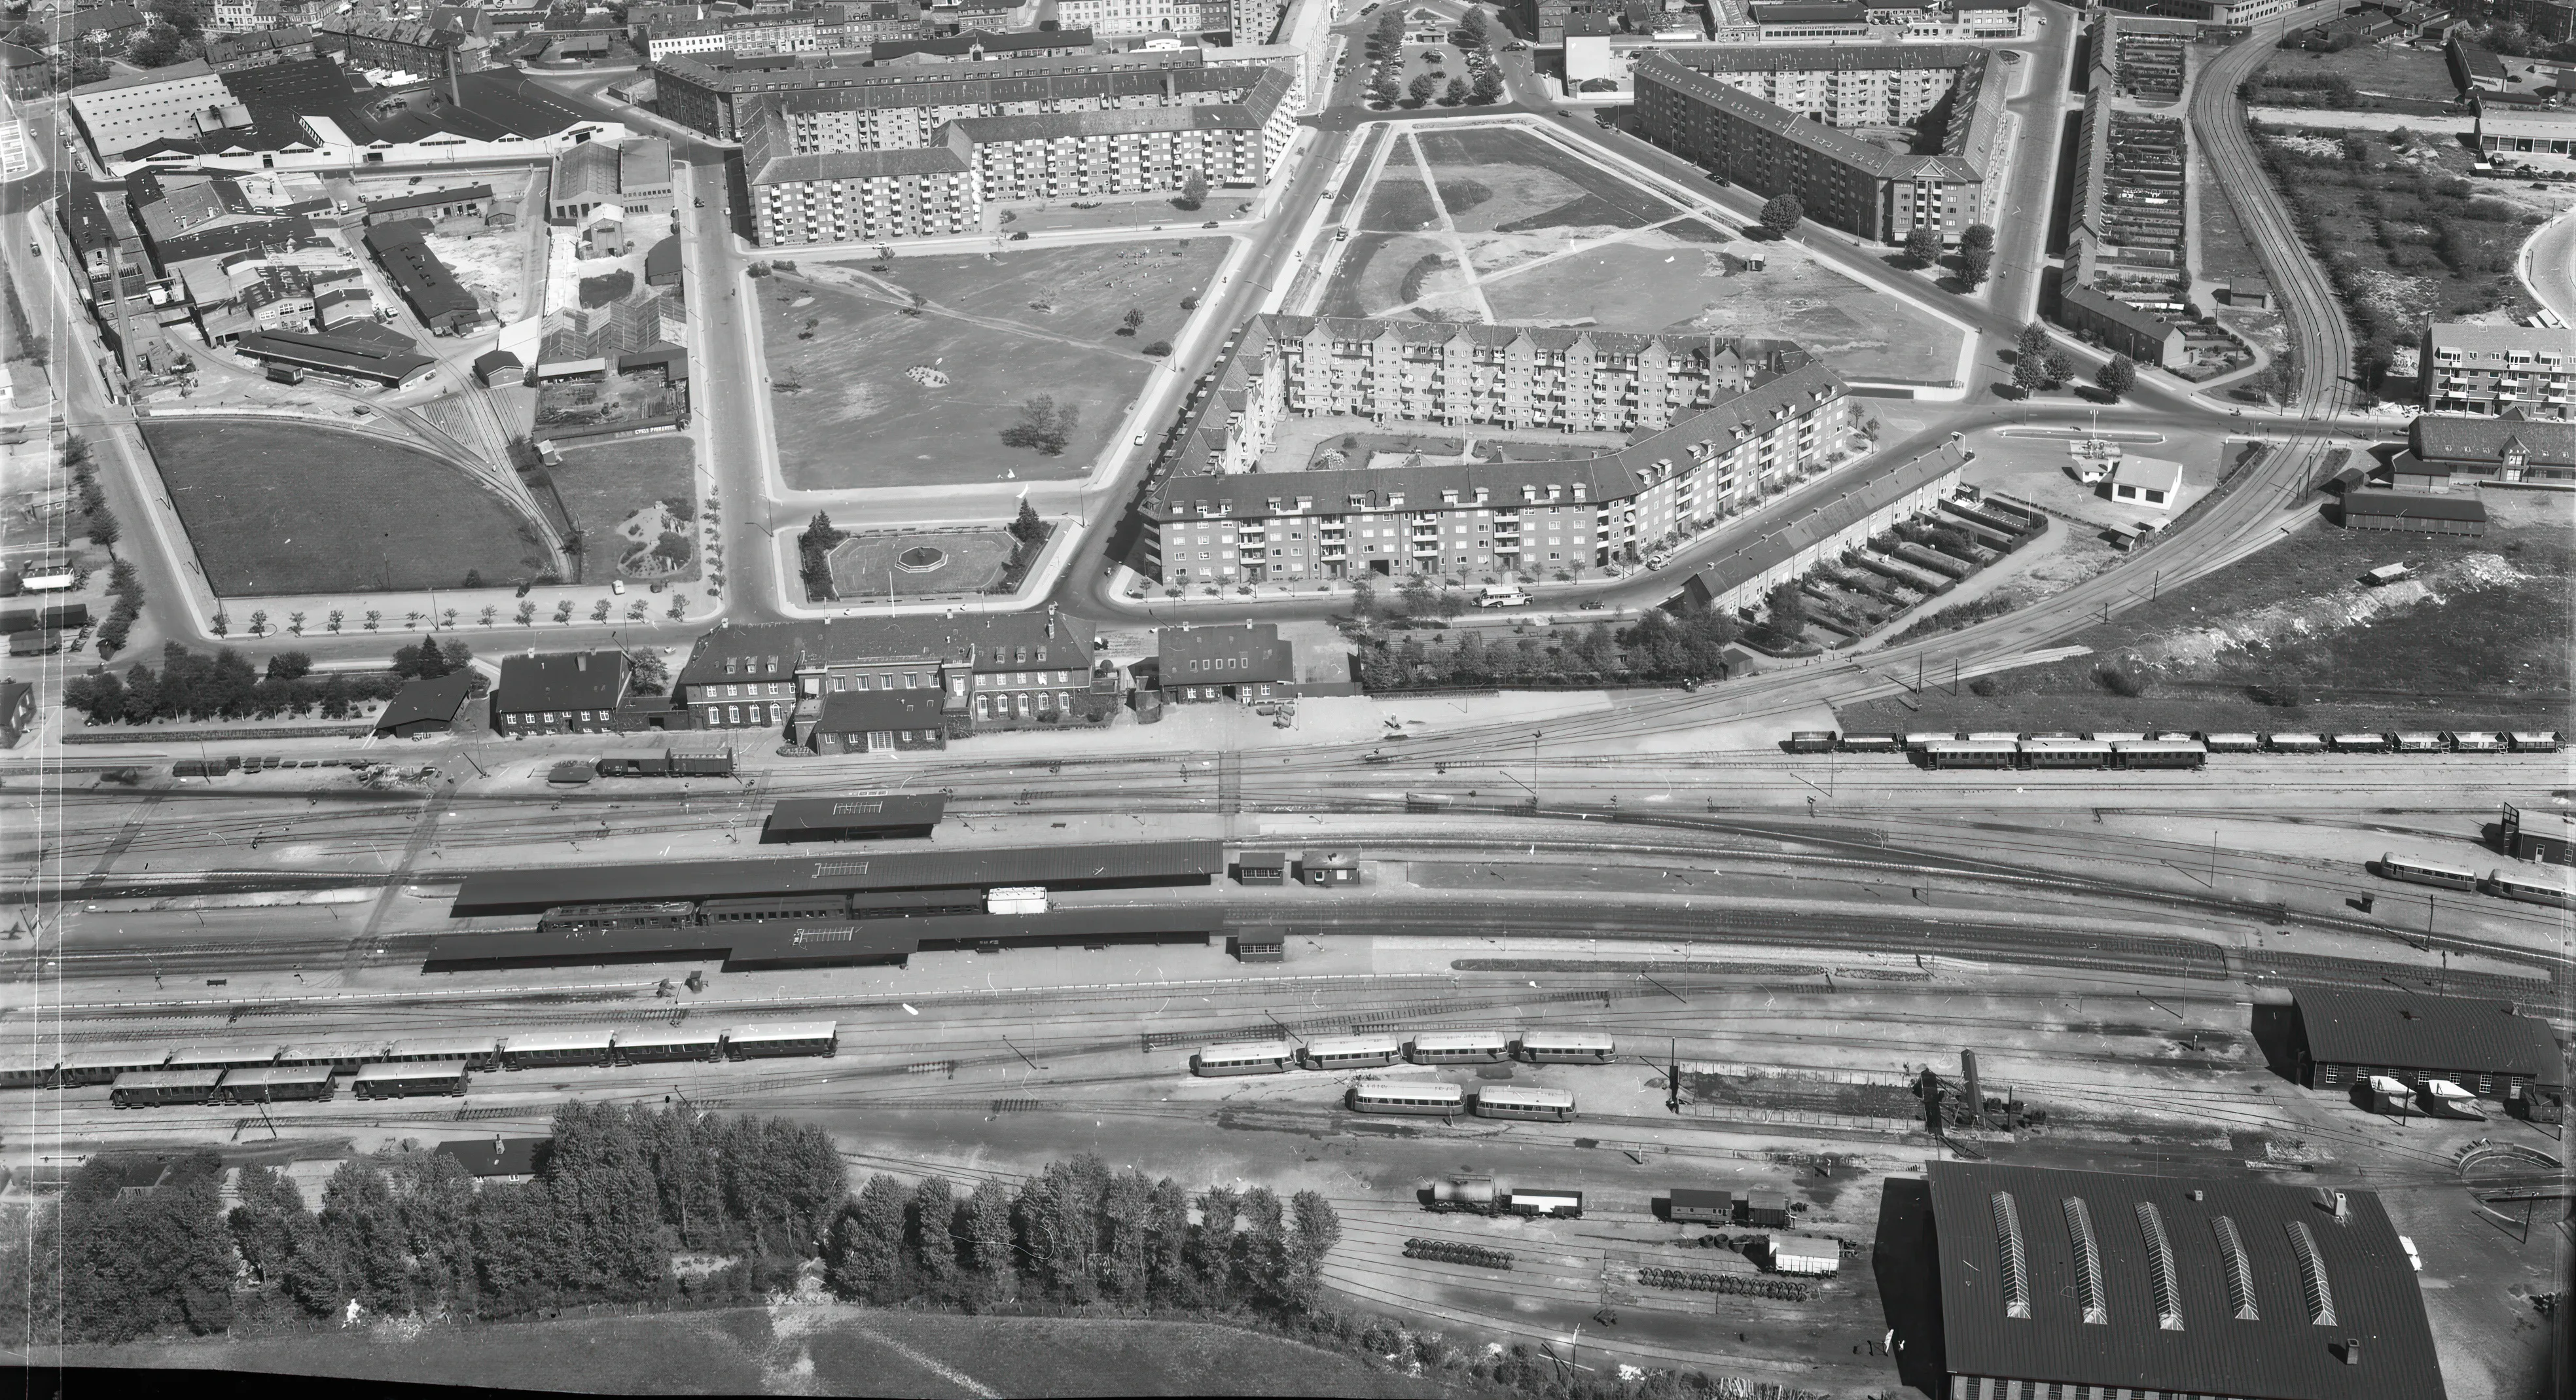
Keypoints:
pixel 574 692
pixel 2488 369
pixel 1716 424
pixel 993 671
pixel 409 46
pixel 1238 661
pixel 1703 105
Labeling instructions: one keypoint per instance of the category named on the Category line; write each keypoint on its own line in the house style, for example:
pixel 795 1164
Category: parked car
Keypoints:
pixel 1209 224
pixel 1593 605
pixel 1020 236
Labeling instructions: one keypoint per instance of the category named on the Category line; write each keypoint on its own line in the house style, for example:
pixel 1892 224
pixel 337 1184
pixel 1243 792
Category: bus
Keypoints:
pixel 1568 1047
pixel 1513 1101
pixel 1502 595
pixel 1351 1052
pixel 2423 872
pixel 1427 1097
pixel 1459 1047
pixel 1250 1057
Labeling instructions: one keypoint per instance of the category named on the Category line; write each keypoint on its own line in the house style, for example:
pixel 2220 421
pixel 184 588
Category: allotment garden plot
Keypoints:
pixel 907 373
pixel 1498 224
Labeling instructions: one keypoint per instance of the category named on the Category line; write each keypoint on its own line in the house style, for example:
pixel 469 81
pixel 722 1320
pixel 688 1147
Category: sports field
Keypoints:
pixel 906 376
pixel 1500 225
pixel 277 507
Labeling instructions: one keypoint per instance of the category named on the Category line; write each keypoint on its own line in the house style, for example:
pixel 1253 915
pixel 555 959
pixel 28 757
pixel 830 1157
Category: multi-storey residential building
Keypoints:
pixel 1695 102
pixel 559 693
pixel 1254 21
pixel 992 671
pixel 265 48
pixel 858 26
pixel 1129 16
pixel 976 46
pixel 2228 12
pixel 408 46
pixel 241 16
pixel 830 177
pixel 849 105
pixel 1719 423
pixel 2488 369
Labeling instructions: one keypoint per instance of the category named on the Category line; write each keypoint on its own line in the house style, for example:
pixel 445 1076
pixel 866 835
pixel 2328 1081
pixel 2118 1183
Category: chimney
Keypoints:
pixel 2342 1209
pixel 1976 1100
pixel 581 661
pixel 2352 1351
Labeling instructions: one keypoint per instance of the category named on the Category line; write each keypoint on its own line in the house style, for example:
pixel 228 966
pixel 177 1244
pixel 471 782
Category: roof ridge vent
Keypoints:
pixel 2240 1270
pixel 2160 1267
pixel 2012 1262
pixel 2312 1275
pixel 2088 1262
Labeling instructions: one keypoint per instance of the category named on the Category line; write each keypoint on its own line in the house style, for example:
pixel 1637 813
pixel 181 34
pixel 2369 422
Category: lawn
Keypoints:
pixel 632 492
pixel 278 507
pixel 864 566
pixel 828 1350
pixel 908 377
pixel 1654 281
pixel 1504 180
pixel 2486 646
pixel 2405 237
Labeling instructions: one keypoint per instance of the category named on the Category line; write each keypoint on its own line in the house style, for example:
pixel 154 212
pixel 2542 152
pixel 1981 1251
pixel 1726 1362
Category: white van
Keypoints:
pixel 1502 595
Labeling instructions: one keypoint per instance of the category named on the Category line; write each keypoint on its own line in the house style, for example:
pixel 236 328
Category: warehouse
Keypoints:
pixel 2105 1283
pixel 2545 837
pixel 2404 510
pixel 2346 1036
pixel 879 816
pixel 1107 866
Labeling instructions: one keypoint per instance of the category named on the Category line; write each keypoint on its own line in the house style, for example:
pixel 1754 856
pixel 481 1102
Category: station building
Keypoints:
pixel 2106 1284
pixel 1768 119
pixel 964 674
pixel 575 692
pixel 1720 423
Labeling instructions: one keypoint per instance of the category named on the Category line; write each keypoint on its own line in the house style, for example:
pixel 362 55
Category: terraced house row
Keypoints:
pixel 1727 422
pixel 1769 119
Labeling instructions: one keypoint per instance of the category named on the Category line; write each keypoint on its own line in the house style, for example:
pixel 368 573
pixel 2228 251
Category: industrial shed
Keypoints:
pixel 1104 866
pixel 880 816
pixel 2545 837
pixel 426 705
pixel 2405 510
pixel 2106 1283
pixel 2347 1035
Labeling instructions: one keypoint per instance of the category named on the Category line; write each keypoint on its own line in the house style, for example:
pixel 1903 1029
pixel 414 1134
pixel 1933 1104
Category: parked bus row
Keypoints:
pixel 1431 1048
pixel 2503 884
pixel 382 1069
pixel 2414 741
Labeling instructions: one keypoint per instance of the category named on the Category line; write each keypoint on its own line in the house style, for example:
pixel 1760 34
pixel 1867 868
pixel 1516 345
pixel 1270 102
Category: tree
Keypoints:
pixel 424 661
pixel 1027 527
pixel 2059 367
pixel 813 555
pixel 1135 317
pixel 103 529
pixel 1363 599
pixel 457 655
pixel 1421 88
pixel 866 1252
pixel 2030 374
pixel 1471 26
pixel 1318 1227
pixel 931 1234
pixel 1194 191
pixel 1455 93
pixel 2118 377
pixel 289 665
pixel 364 1226
pixel 134 1265
pixel 1488 88
pixel 1785 609
pixel 1043 425
pixel 1977 236
pixel 2033 341
pixel 1158 349
pixel 1781 214
pixel 1975 265
pixel 1383 89
pixel 986 1223
pixel 1923 245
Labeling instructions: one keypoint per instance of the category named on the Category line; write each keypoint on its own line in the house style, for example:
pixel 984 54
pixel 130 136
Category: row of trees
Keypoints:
pixel 1079 1233
pixel 196 687
pixel 1661 647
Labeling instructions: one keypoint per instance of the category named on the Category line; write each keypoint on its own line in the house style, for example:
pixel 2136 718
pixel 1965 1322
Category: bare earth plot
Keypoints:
pixel 277 508
pixel 1510 228
pixel 911 375
pixel 625 497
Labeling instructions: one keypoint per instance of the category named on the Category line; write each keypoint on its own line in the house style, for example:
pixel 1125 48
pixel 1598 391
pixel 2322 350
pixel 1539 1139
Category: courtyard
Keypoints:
pixel 1500 225
pixel 907 372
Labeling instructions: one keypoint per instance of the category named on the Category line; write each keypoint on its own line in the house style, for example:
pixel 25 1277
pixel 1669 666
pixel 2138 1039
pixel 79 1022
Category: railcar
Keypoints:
pixel 765 1041
pixel 557 1048
pixel 2160 753
pixel 2423 872
pixel 1568 1047
pixel 1249 1057
pixel 2507 884
pixel 1811 741
pixel 160 1088
pixel 277 1084
pixel 2295 743
pixel 475 1052
pixel 2064 754
pixel 1424 1097
pixel 1351 1052
pixel 1872 743
pixel 1459 1047
pixel 2422 743
pixel 664 1043
pixel 618 918
pixel 1969 753
pixel 2233 743
pixel 1515 1101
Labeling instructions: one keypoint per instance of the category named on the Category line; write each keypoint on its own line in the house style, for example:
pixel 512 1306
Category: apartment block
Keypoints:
pixel 1707 105
pixel 2489 369
pixel 1719 424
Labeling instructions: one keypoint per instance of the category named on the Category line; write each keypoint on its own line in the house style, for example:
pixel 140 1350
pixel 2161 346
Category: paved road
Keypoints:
pixel 2548 266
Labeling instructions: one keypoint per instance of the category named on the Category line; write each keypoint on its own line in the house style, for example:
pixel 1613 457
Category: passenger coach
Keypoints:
pixel 1255 1057
pixel 410 1079
pixel 1351 1052
pixel 1459 1047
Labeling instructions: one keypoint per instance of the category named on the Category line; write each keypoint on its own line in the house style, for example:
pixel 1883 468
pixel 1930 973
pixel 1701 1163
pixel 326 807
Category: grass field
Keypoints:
pixel 827 1350
pixel 619 490
pixel 910 375
pixel 2486 646
pixel 279 507
pixel 1510 228
pixel 863 566
pixel 2364 70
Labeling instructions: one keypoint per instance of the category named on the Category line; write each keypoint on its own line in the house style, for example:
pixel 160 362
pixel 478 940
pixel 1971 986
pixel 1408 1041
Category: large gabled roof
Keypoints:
pixel 775 650
pixel 2198 1286
pixel 2408 1030
pixel 2543 442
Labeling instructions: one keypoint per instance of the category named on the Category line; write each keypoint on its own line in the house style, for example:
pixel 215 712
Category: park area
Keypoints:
pixel 276 507
pixel 920 562
pixel 909 372
pixel 1500 225
pixel 634 501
